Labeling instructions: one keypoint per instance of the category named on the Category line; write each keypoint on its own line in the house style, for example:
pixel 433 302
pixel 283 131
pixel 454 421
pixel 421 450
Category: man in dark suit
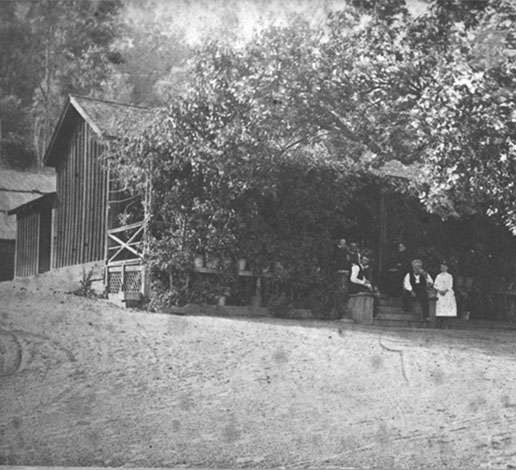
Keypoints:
pixel 360 276
pixel 415 286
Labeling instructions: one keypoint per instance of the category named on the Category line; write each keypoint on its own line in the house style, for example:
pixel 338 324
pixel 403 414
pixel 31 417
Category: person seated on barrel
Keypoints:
pixel 359 279
pixel 415 285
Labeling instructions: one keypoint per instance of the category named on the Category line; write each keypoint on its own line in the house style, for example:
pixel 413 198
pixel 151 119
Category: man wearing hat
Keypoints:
pixel 415 285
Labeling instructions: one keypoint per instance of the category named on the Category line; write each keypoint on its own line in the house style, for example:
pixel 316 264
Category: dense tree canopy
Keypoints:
pixel 466 118
pixel 371 85
pixel 255 140
pixel 49 48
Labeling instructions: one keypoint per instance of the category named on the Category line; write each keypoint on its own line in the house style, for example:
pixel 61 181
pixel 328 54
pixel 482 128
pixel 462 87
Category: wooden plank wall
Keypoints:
pixel 81 194
pixel 45 241
pixel 7 248
pixel 27 244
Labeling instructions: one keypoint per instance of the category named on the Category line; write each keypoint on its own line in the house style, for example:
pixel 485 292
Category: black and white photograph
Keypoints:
pixel 258 234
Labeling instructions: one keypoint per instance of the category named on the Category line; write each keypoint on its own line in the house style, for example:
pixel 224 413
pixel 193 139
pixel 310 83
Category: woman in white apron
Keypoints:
pixel 446 305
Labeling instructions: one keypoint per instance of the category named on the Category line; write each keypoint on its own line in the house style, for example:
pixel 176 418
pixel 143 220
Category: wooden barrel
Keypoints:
pixel 361 307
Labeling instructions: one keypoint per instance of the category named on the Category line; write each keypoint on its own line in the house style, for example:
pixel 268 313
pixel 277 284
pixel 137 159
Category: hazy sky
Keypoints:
pixel 198 18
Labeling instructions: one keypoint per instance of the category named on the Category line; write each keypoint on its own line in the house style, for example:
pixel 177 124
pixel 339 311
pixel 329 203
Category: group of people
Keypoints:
pixel 417 282
pixel 414 283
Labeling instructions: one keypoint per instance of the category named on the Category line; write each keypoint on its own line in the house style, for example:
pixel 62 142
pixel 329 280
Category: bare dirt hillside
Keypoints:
pixel 85 383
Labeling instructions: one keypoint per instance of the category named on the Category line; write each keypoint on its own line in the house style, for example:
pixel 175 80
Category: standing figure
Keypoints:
pixel 463 297
pixel 398 267
pixel 354 252
pixel 415 285
pixel 342 263
pixel 359 279
pixel 446 305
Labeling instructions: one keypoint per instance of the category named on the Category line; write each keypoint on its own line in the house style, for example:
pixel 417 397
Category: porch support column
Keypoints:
pixel 382 235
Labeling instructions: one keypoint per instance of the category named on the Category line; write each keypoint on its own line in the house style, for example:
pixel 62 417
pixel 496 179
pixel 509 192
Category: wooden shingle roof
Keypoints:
pixel 27 181
pixel 106 118
pixel 39 202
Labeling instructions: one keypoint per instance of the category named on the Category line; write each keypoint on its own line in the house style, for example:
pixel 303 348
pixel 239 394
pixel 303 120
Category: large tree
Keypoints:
pixel 18 79
pixel 438 90
pixel 73 54
pixel 465 118
pixel 153 53
pixel 50 48
pixel 330 104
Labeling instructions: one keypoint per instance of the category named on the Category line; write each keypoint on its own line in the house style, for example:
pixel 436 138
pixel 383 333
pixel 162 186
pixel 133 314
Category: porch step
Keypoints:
pixel 459 323
pixel 447 323
pixel 403 323
pixel 397 315
pixel 384 301
pixel 389 310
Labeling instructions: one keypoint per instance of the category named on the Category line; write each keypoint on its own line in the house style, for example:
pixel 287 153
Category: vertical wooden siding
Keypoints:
pixel 45 240
pixel 81 193
pixel 7 248
pixel 27 244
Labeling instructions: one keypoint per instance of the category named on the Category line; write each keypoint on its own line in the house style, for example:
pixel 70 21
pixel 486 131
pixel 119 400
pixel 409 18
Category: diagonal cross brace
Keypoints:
pixel 125 244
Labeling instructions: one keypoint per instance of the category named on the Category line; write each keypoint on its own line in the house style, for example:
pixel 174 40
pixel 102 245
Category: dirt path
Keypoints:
pixel 84 383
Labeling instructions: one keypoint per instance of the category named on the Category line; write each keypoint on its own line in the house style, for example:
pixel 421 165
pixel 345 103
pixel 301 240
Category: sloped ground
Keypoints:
pixel 85 383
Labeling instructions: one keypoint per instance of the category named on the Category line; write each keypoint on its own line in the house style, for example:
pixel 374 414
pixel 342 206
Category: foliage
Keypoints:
pixel 262 154
pixel 73 55
pixel 17 82
pixel 466 119
pixel 234 202
pixel 85 283
pixel 51 48
pixel 151 56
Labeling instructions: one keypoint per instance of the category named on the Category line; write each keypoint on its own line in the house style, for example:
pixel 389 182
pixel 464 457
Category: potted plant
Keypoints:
pixel 247 255
pixel 242 264
pixel 222 298
pixel 199 262
pixel 213 261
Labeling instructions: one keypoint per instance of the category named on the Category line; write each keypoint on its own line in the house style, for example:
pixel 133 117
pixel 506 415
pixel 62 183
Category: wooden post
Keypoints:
pixel 52 237
pixel 106 227
pixel 143 277
pixel 82 153
pixel 145 237
pixel 122 278
pixel 38 236
pixel 16 243
pixel 382 217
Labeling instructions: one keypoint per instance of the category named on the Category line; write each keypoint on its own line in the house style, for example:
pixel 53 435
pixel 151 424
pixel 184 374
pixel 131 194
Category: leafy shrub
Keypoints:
pixel 85 283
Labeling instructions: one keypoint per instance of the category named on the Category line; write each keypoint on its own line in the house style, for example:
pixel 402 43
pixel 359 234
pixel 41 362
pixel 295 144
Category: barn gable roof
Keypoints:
pixel 17 188
pixel 27 181
pixel 46 199
pixel 104 117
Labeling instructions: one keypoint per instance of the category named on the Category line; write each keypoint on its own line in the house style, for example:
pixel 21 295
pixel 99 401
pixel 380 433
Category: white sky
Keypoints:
pixel 198 18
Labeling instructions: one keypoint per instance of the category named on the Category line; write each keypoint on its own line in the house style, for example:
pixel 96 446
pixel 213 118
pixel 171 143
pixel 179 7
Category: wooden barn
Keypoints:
pixel 80 224
pixel 34 235
pixel 17 188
